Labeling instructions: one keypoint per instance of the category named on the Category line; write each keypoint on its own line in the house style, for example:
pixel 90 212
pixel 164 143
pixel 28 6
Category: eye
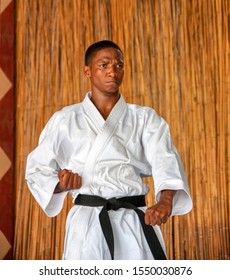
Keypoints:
pixel 103 65
pixel 120 66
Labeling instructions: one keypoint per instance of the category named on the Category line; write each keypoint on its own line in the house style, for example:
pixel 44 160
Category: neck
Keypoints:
pixel 105 103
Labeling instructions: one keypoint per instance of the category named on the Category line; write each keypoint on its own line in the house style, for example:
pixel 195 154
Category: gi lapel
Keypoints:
pixel 105 131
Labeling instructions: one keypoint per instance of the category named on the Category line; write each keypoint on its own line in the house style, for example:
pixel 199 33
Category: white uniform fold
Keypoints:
pixel 111 155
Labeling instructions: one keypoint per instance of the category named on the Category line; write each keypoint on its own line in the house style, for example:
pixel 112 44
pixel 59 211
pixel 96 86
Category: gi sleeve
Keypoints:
pixel 167 167
pixel 42 168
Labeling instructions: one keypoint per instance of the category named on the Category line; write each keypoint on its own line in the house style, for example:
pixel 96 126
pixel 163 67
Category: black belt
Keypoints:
pixel 131 202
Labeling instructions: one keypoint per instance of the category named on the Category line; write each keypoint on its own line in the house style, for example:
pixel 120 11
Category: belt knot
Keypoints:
pixel 114 204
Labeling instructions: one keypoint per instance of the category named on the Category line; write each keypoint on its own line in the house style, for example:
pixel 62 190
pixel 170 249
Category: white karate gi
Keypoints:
pixel 111 156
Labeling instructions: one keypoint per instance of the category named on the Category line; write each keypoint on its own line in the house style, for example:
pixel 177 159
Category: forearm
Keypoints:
pixel 167 195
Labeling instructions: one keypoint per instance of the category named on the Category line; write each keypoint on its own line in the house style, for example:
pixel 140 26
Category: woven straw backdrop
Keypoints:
pixel 177 60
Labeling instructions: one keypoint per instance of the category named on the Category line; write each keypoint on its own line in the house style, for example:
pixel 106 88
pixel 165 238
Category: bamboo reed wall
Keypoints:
pixel 177 60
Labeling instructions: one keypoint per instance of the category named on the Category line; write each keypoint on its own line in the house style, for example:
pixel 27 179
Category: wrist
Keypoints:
pixel 58 188
pixel 167 195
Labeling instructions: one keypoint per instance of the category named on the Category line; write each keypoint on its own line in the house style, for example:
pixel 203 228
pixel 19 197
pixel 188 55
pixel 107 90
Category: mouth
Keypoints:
pixel 112 82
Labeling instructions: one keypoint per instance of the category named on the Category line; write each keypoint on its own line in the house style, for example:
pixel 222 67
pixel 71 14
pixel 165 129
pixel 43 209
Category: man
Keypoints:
pixel 98 151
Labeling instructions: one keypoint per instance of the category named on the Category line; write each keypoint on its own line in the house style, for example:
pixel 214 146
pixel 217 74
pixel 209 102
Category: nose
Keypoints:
pixel 112 71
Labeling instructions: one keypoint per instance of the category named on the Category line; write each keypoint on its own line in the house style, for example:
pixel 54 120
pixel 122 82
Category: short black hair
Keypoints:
pixel 92 49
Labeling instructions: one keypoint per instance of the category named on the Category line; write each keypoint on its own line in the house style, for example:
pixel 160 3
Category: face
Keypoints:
pixel 106 71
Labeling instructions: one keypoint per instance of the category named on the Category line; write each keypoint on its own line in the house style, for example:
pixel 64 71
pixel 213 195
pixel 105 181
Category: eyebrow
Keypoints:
pixel 107 58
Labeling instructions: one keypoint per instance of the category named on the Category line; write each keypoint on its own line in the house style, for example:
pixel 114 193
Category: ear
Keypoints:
pixel 87 71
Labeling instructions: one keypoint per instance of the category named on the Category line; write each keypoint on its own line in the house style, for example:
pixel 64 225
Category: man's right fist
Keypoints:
pixel 68 181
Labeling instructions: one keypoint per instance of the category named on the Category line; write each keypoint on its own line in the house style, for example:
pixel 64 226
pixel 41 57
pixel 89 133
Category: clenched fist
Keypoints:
pixel 159 213
pixel 68 181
